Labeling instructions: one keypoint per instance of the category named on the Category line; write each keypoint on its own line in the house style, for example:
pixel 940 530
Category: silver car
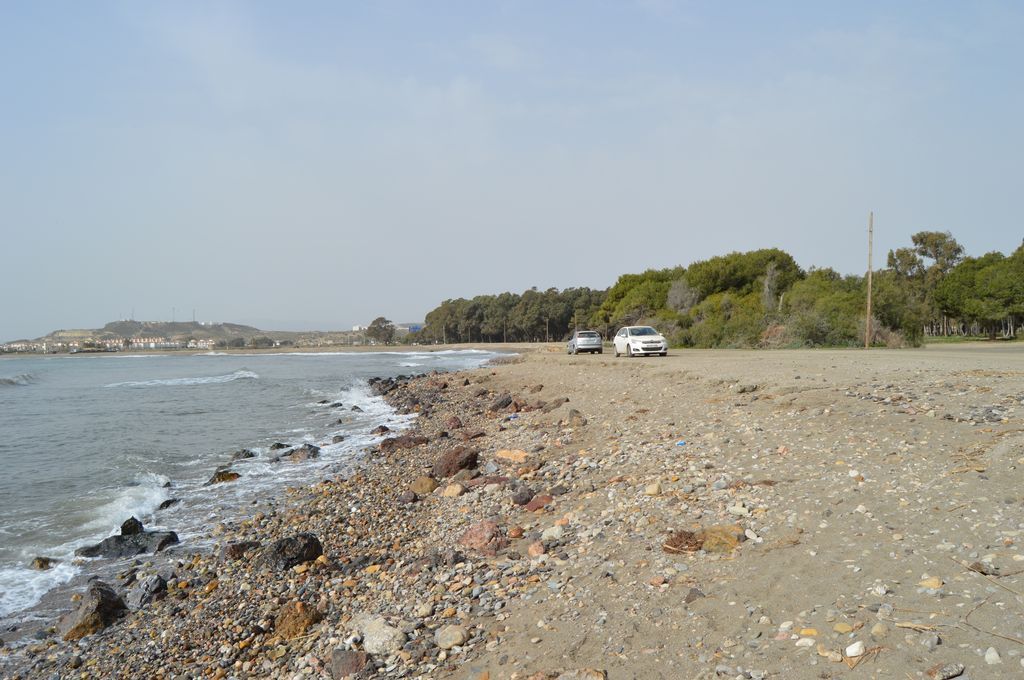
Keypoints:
pixel 638 341
pixel 585 341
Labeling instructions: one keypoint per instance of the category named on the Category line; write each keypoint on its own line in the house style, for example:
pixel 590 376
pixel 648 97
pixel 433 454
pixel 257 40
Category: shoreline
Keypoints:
pixel 599 534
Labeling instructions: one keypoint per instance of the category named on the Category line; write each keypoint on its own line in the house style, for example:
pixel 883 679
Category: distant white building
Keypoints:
pixel 359 329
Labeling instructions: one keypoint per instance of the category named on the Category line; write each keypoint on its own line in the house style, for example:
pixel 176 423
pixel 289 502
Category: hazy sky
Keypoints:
pixel 317 164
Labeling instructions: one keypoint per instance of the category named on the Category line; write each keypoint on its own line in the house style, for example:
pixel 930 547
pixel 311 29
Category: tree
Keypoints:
pixel 381 330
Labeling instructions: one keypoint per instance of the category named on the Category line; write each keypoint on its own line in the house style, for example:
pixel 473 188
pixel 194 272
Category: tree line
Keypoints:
pixel 763 298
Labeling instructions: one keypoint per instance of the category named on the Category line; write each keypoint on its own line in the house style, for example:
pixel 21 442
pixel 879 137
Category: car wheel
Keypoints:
pixel 600 351
pixel 616 351
pixel 629 351
pixel 664 354
pixel 575 350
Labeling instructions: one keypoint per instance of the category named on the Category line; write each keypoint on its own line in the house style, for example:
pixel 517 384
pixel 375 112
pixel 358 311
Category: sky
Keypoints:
pixel 315 165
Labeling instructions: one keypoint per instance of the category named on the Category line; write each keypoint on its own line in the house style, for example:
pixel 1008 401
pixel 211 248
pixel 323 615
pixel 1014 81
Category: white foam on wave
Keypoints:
pixel 20 380
pixel 201 380
pixel 23 587
pixel 139 500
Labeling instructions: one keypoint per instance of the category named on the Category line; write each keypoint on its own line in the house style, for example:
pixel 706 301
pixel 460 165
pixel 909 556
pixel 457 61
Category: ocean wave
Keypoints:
pixel 22 587
pixel 20 380
pixel 202 380
pixel 140 500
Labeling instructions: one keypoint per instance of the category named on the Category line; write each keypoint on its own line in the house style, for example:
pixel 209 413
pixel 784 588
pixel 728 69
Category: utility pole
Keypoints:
pixel 867 325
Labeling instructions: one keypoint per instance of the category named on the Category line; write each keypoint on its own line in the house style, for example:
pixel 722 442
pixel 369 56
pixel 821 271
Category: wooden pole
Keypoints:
pixel 867 325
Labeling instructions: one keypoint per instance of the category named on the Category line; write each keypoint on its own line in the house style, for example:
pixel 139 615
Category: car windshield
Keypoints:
pixel 643 330
pixel 587 334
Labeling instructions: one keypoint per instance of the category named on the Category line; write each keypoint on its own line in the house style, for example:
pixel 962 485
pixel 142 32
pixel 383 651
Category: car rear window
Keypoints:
pixel 589 334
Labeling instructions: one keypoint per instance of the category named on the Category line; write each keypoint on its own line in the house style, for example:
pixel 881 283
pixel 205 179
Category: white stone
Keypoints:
pixel 552 533
pixel 855 650
pixel 992 656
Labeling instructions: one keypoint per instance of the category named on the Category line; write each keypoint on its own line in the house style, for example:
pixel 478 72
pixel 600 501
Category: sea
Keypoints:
pixel 87 441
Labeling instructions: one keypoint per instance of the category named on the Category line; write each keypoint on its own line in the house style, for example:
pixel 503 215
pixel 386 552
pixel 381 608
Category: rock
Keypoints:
pixel 221 476
pixel 405 441
pixel 485 537
pixel 453 491
pixel 653 489
pixel 502 402
pixel 304 452
pixel 147 590
pixel 536 549
pixel 295 618
pixel 693 594
pixel 407 497
pixel 583 674
pixel 288 552
pixel 99 607
pixel 43 563
pixel 169 503
pixel 992 656
pixel 450 462
pixel 453 422
pixel 346 663
pixel 337 439
pixel 523 495
pixel 538 502
pixel 380 429
pixel 131 526
pixel 553 404
pixel 243 454
pixel 423 485
pixel 879 630
pixel 237 550
pixel 512 455
pixel 131 545
pixel 744 389
pixel 575 418
pixel 553 533
pixel 946 671
pixel 855 650
pixel 447 637
pixel 379 638
pixel 277 446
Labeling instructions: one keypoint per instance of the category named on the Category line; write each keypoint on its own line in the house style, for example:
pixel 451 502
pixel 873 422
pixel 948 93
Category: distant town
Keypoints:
pixel 130 335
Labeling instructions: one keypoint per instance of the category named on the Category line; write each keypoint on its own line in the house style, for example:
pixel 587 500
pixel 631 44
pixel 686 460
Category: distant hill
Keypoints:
pixel 173 329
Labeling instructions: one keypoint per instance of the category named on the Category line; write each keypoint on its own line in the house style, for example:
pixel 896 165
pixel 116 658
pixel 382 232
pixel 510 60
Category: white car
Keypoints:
pixel 639 340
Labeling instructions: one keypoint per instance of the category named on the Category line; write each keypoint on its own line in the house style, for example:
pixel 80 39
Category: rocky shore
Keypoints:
pixel 710 514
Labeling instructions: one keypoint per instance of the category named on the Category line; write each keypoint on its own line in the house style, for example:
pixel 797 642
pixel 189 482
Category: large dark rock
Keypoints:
pixel 221 476
pixel 100 606
pixel 42 563
pixel 131 545
pixel 287 552
pixel 304 452
pixel 243 454
pixel 450 462
pixel 146 591
pixel 131 527
pixel 503 401
pixel 169 503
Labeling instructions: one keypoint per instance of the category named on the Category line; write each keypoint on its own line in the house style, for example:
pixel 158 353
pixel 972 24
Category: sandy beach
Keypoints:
pixel 735 514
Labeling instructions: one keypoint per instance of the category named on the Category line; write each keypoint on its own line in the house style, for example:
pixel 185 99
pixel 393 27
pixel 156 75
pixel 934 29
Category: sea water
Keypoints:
pixel 88 441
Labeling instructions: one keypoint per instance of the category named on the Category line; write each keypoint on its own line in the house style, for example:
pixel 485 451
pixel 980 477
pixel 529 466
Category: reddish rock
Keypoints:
pixel 536 549
pixel 538 503
pixel 346 663
pixel 406 441
pixel 450 462
pixel 453 422
pixel 486 537
pixel 236 551
pixel 471 435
